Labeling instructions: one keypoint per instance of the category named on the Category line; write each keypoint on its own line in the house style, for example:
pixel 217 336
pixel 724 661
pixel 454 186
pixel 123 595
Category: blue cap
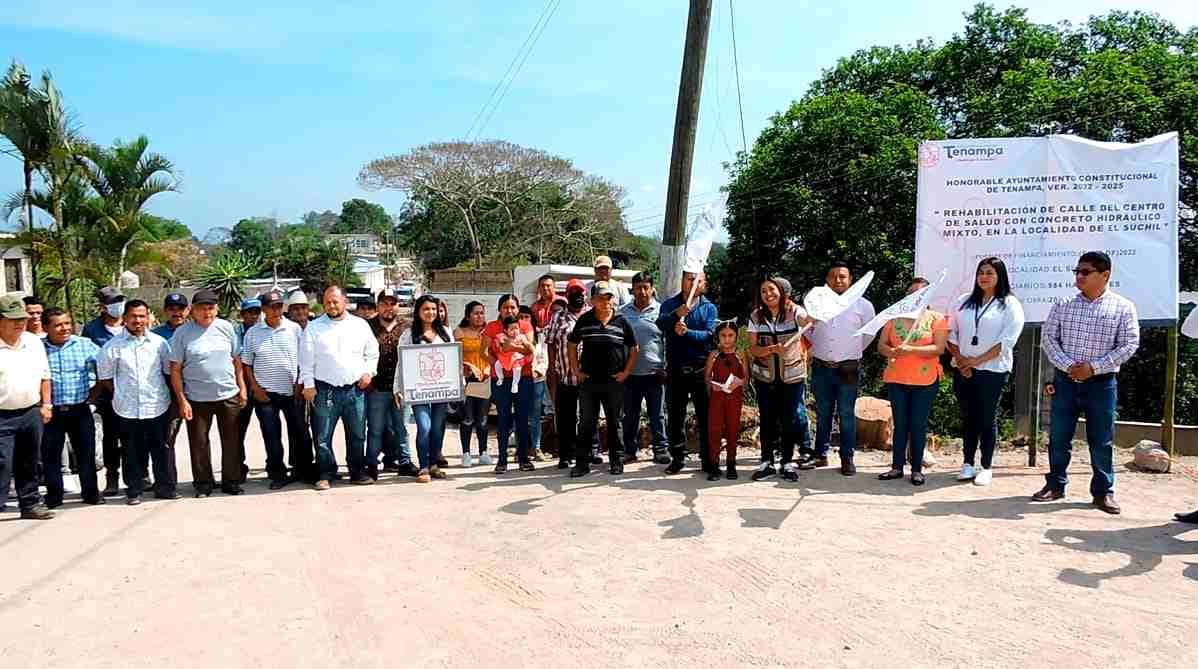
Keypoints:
pixel 175 300
pixel 251 303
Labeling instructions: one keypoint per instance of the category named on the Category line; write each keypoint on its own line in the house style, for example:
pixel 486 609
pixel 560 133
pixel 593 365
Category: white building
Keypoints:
pixel 17 276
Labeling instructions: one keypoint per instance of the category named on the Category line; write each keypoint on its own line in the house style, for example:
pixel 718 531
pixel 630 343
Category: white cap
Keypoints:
pixel 297 297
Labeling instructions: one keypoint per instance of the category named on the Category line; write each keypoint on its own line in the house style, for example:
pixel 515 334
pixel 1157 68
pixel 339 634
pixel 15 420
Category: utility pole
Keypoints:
pixel 686 121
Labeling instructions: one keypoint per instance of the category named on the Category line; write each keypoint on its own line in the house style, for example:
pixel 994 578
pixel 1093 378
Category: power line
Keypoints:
pixel 736 65
pixel 528 52
pixel 511 65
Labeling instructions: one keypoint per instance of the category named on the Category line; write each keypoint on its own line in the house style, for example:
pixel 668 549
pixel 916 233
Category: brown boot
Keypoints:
pixel 113 487
pixel 1108 504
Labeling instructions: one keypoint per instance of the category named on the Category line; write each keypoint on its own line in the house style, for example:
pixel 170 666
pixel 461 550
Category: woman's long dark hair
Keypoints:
pixel 418 323
pixel 761 311
pixel 466 316
pixel 1002 288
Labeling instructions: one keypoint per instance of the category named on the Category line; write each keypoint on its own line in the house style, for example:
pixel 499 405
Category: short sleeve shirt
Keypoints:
pixel 206 357
pixel 914 370
pixel 605 346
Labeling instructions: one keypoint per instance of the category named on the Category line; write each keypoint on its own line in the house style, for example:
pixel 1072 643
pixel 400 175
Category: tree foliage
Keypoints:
pixel 834 175
pixel 499 203
pixel 359 216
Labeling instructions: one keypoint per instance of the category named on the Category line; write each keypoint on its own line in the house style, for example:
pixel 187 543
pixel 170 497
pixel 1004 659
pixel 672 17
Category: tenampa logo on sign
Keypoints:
pixel 972 153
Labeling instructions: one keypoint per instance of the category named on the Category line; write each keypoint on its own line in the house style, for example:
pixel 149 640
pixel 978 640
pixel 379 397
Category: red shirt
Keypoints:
pixel 542 311
pixel 493 331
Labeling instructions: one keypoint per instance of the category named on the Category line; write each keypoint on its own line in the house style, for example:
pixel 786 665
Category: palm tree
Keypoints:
pixel 125 177
pixel 35 124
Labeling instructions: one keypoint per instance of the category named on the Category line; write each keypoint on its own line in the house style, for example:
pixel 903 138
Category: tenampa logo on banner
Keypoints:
pixel 1039 203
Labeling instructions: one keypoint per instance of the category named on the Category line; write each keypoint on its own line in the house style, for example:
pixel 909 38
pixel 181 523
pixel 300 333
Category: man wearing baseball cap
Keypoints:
pixel 103 328
pixel 25 406
pixel 385 429
pixel 250 313
pixel 208 384
pixel 603 269
pixel 175 306
pixel 270 361
pixel 563 381
pixel 367 307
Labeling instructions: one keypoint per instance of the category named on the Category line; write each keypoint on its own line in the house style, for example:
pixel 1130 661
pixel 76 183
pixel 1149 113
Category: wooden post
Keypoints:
pixel 686 122
pixel 1167 435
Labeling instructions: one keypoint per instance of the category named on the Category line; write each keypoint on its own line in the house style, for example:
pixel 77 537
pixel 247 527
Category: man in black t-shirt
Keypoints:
pixel 608 355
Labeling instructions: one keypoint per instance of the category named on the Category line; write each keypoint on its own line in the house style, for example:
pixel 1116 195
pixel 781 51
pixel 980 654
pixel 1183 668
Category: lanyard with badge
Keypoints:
pixel 977 320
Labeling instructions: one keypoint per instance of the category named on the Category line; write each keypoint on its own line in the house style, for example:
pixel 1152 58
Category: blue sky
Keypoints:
pixel 271 110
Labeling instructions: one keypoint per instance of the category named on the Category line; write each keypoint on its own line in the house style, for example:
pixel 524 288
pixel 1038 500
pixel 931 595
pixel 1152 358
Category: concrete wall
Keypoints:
pixel 1129 433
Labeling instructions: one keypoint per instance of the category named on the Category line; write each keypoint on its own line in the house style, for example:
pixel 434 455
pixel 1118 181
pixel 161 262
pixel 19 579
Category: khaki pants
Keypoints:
pixel 225 414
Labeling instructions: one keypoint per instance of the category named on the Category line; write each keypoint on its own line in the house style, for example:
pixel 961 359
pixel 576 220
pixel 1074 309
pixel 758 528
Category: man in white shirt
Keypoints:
pixel 25 406
pixel 836 373
pixel 338 358
pixel 134 366
pixel 270 359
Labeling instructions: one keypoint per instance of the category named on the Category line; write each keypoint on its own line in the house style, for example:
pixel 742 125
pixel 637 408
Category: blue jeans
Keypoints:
pixel 347 403
pixel 832 395
pixel 802 423
pixel 474 422
pixel 505 402
pixel 779 414
pixel 292 410
pixel 651 389
pixel 382 416
pixel 1096 399
pixel 430 432
pixel 535 410
pixel 911 406
pixel 978 396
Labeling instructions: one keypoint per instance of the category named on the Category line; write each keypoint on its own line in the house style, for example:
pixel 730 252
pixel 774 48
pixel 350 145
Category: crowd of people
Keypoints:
pixel 603 347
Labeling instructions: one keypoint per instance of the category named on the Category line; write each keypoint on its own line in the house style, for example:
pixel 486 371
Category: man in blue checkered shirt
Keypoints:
pixel 72 380
pixel 1087 338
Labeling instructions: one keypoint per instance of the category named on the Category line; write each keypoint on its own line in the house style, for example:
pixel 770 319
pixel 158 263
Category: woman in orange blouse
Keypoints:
pixel 912 350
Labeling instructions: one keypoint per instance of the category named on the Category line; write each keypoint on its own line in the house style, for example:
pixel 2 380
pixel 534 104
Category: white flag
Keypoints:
pixel 1190 327
pixel 823 304
pixel 911 306
pixel 699 239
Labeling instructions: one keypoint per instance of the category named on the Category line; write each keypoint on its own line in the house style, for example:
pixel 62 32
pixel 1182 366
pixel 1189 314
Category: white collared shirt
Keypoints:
pixel 137 367
pixel 22 369
pixel 337 352
pixel 995 323
pixel 835 341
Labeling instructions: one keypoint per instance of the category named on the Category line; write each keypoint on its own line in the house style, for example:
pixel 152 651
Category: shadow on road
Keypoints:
pixel 1144 547
pixel 998 508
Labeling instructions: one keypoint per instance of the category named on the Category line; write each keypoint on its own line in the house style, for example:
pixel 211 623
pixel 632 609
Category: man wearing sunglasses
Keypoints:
pixel 1087 338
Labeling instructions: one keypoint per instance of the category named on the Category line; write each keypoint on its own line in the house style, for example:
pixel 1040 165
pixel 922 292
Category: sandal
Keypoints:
pixel 917 479
pixel 891 475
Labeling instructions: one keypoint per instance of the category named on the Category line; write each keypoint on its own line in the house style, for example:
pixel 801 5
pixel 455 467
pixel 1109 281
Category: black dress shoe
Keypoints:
pixel 661 458
pixel 442 462
pixel 596 460
pixel 527 467
pixel 616 468
pixel 847 468
pixel 677 460
pixel 170 494
pixel 821 461
pixel 579 472
pixel 276 484
pixel 629 459
pixel 1048 494
pixel 232 489
pixel 714 475
pixel 564 464
pixel 133 501
pixel 407 469
pixel 95 501
pixel 731 474
pixel 1191 517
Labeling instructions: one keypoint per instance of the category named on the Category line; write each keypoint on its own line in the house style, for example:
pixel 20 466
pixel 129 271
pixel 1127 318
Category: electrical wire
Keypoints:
pixel 555 4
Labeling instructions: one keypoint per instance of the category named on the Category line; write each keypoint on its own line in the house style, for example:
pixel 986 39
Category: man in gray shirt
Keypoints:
pixel 207 380
pixel 647 382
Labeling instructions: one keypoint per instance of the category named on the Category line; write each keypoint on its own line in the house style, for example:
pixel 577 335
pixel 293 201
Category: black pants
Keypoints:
pixel 292 410
pixel 610 395
pixel 145 439
pixel 111 444
pixel 565 421
pixel 74 420
pixel 243 426
pixel 20 440
pixel 684 385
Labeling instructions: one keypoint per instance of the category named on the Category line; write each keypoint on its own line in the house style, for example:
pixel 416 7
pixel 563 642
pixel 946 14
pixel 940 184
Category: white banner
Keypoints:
pixel 1039 203
pixel 431 373
pixel 911 306
pixel 823 304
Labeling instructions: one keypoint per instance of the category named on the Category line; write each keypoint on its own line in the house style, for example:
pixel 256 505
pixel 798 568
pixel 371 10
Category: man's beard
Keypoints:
pixel 387 317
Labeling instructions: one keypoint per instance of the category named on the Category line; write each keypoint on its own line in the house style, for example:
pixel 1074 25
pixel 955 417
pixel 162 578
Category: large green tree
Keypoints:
pixel 359 216
pixel 834 174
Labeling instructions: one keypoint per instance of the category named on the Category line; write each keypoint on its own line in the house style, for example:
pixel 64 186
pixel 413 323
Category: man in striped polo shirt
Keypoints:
pixel 609 353
pixel 270 358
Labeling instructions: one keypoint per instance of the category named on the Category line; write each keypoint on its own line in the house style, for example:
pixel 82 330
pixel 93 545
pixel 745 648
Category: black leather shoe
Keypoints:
pixel 276 484
pixel 232 489
pixel 616 468
pixel 133 501
pixel 1191 517
pixel 579 472
pixel 677 460
pixel 95 502
pixel 1048 494
pixel 662 458
pixel 564 464
pixel 172 494
pixel 596 459
pixel 847 468
pixel 821 461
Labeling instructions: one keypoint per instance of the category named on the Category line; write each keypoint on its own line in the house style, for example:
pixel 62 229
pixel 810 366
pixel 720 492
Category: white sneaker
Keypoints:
pixel 485 459
pixel 467 461
pixel 984 477
pixel 967 473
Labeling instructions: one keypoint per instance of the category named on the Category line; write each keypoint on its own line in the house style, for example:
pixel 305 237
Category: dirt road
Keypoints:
pixel 535 569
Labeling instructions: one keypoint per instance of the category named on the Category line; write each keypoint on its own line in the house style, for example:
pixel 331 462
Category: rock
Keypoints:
pixel 875 423
pixel 1150 457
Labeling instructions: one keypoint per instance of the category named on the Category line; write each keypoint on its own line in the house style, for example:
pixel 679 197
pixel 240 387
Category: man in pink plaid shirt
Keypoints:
pixel 1087 338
